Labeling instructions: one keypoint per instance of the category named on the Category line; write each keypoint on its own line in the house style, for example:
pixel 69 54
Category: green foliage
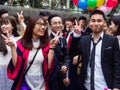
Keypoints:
pixel 36 3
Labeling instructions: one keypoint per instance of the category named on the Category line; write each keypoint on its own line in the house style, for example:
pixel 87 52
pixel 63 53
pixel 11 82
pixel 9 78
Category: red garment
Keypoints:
pixel 16 73
pixel 69 41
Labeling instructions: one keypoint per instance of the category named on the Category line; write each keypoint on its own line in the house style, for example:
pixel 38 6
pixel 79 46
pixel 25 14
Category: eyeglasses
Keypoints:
pixel 41 24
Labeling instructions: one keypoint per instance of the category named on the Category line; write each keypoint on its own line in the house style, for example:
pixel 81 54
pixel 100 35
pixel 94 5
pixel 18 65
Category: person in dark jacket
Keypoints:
pixel 101 71
pixel 61 79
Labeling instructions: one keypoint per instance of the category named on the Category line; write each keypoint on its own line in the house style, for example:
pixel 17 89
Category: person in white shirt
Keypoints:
pixel 100 56
pixel 8 25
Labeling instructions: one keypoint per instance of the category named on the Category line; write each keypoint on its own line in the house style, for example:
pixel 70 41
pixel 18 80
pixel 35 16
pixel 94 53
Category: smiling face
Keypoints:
pixel 82 23
pixel 68 24
pixel 96 23
pixel 7 27
pixel 56 24
pixel 39 29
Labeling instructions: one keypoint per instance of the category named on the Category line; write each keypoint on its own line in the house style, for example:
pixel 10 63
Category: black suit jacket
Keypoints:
pixel 61 52
pixel 110 59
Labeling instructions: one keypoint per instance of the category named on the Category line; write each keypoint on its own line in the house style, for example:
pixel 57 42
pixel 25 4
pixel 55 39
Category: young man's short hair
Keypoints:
pixel 52 16
pixel 98 12
pixel 82 18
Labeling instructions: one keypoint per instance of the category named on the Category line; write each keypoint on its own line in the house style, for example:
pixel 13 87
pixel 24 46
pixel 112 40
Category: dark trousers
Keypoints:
pixel 59 81
pixel 73 77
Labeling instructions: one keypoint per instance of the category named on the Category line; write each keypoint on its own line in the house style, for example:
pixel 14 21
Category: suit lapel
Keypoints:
pixel 52 36
pixel 104 43
pixel 88 46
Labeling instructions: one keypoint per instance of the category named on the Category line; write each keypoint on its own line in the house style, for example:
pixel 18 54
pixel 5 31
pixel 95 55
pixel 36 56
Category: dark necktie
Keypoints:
pixel 92 64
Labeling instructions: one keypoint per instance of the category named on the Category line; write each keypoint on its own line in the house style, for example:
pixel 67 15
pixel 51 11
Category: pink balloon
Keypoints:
pixel 109 8
pixel 104 9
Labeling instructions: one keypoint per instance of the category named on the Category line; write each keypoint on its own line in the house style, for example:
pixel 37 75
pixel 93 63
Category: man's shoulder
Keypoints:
pixel 85 37
pixel 110 36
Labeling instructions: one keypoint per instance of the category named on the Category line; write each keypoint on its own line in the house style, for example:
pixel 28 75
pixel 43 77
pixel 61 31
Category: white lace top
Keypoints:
pixel 34 76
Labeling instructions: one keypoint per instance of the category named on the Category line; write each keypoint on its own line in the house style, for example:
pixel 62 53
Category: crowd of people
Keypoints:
pixel 52 53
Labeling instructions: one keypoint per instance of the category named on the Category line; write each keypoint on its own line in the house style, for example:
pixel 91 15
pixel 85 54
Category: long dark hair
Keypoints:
pixel 3 47
pixel 26 40
pixel 6 20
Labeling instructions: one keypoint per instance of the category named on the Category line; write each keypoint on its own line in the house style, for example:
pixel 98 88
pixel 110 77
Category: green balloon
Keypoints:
pixel 92 3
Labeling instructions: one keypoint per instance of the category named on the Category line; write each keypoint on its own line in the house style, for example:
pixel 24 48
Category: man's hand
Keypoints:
pixel 77 28
pixel 116 89
pixel 66 81
pixel 63 69
pixel 75 60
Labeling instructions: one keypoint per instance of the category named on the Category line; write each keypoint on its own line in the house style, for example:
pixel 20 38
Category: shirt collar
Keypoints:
pixel 53 33
pixel 101 35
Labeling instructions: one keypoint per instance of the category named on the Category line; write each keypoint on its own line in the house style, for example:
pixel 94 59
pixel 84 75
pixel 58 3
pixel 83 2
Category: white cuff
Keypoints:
pixel 76 35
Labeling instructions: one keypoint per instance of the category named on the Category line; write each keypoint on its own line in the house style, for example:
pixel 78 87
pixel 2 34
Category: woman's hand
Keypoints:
pixel 54 41
pixel 20 17
pixel 21 20
pixel 53 44
pixel 8 40
pixel 11 44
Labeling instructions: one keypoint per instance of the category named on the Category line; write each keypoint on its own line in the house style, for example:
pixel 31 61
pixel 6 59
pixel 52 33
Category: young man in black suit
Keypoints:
pixel 100 56
pixel 61 78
